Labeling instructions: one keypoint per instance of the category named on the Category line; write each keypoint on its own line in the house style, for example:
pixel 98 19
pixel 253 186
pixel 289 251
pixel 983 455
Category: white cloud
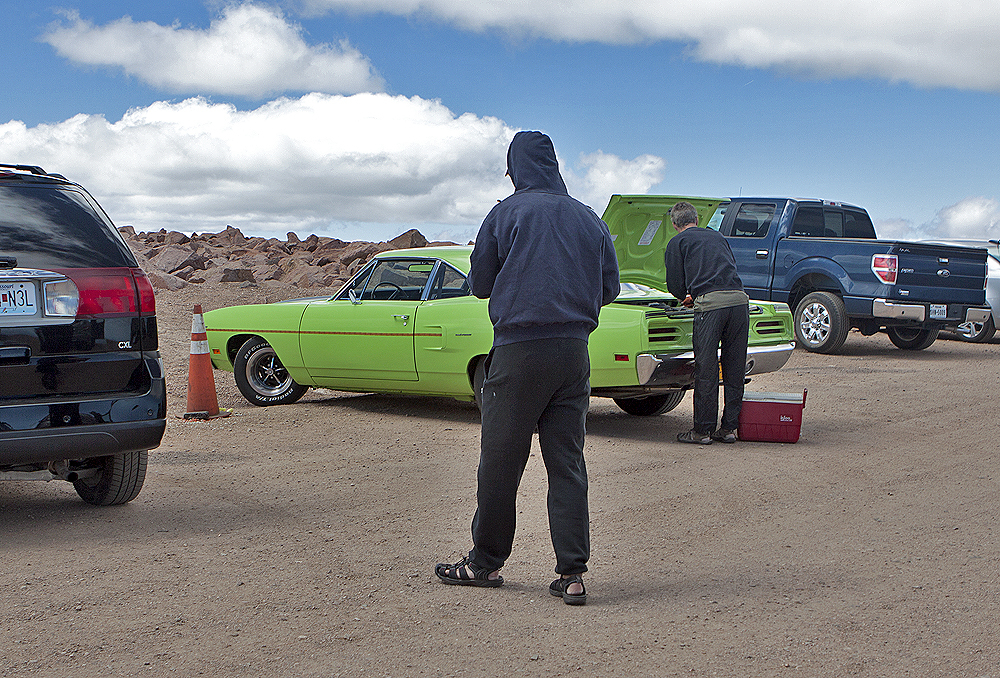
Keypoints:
pixel 367 166
pixel 607 174
pixel 975 218
pixel 249 50
pixel 923 42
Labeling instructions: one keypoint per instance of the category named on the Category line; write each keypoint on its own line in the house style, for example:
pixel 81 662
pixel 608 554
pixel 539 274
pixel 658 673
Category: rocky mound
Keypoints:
pixel 174 260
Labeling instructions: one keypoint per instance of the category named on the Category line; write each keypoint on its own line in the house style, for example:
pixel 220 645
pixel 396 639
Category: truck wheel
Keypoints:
pixel 117 481
pixel 651 406
pixel 978 333
pixel 911 338
pixel 260 376
pixel 821 323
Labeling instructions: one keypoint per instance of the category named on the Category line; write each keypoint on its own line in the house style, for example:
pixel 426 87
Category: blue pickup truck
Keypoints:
pixel 824 260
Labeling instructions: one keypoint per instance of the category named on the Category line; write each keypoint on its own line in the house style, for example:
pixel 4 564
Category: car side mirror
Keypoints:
pixel 353 297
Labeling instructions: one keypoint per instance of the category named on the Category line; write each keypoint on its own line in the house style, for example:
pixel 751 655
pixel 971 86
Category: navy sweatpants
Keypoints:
pixel 543 383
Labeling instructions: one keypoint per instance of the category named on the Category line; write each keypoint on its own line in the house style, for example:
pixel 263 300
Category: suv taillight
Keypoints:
pixel 885 266
pixel 111 292
pixel 147 302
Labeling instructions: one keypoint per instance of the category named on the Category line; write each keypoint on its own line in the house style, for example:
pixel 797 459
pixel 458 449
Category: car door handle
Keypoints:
pixel 762 254
pixel 404 318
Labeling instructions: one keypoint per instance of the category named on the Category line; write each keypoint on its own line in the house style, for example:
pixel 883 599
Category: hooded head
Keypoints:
pixel 532 164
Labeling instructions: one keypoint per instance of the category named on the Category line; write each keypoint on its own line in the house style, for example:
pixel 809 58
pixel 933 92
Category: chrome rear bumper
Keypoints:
pixel 677 370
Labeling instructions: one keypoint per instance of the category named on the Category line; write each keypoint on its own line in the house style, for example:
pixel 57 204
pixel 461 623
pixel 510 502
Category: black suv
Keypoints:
pixel 82 392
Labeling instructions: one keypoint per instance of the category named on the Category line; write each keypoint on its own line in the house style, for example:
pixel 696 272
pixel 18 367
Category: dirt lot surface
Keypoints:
pixel 299 541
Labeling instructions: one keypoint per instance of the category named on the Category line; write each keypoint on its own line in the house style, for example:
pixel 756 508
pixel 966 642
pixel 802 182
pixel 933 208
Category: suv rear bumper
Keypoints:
pixel 33 433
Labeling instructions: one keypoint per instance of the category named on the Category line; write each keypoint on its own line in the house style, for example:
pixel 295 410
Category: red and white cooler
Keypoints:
pixel 772 417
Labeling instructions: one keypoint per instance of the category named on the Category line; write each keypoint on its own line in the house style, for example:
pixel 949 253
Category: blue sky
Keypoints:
pixel 360 119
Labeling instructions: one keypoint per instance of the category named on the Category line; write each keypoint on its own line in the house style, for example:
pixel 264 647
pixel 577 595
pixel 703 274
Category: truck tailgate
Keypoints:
pixel 940 273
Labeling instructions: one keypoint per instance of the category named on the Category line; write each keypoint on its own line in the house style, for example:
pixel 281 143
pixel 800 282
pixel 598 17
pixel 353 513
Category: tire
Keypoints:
pixel 651 406
pixel 118 480
pixel 260 376
pixel 911 339
pixel 821 323
pixel 977 333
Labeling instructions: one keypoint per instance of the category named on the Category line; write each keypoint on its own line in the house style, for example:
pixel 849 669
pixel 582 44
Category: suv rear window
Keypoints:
pixel 56 226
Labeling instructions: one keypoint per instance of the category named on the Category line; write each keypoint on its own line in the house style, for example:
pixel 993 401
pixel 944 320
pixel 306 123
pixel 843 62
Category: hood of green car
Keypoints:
pixel 640 227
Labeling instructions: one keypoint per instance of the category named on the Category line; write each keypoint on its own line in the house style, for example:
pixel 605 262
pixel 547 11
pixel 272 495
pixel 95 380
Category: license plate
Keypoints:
pixel 939 311
pixel 17 298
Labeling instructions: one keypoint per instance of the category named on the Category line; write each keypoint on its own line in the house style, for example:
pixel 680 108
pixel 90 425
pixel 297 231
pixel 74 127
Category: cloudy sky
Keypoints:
pixel 360 119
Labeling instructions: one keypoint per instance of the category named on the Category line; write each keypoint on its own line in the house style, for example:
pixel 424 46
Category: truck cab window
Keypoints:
pixel 833 224
pixel 753 220
pixel 808 222
pixel 858 225
pixel 715 222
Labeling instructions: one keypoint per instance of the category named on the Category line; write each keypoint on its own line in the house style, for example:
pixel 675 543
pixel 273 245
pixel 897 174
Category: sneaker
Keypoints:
pixel 693 436
pixel 725 435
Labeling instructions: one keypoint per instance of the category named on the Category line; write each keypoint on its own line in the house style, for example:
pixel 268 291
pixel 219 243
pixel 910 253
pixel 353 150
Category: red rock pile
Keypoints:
pixel 174 260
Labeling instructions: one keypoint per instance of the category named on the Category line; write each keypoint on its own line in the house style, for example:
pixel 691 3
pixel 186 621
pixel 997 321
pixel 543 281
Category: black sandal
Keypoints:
pixel 459 574
pixel 559 586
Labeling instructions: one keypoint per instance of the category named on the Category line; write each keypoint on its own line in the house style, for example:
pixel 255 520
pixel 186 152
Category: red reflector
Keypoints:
pixel 621 358
pixel 104 291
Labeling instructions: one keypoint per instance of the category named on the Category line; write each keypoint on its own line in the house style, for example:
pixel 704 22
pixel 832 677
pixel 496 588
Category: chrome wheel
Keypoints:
pixel 977 332
pixel 821 322
pixel 815 324
pixel 261 377
pixel 266 374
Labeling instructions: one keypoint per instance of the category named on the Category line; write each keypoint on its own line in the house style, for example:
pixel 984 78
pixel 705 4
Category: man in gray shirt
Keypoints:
pixel 701 270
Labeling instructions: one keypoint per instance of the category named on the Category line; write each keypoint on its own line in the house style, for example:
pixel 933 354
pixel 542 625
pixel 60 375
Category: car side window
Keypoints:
pixel 391 279
pixel 753 220
pixel 448 284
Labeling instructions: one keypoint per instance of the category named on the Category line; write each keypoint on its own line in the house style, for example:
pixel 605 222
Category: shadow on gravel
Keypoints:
pixel 426 407
pixel 602 420
pixel 36 514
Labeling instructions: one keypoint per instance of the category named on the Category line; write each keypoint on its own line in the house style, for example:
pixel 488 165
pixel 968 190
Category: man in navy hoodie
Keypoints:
pixel 547 264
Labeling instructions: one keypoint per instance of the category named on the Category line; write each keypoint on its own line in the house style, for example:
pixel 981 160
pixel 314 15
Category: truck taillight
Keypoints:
pixel 885 266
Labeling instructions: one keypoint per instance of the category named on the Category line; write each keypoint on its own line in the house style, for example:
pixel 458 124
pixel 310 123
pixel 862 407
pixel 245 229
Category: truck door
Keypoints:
pixel 751 238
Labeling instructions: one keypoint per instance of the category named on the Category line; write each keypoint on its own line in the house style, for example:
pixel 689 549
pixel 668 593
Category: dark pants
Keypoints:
pixel 730 328
pixel 543 383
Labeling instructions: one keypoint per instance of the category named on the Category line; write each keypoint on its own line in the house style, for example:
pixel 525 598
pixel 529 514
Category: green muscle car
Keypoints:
pixel 408 323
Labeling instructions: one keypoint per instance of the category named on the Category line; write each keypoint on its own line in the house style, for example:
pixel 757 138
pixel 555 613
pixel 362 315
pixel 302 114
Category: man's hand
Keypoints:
pixel 688 302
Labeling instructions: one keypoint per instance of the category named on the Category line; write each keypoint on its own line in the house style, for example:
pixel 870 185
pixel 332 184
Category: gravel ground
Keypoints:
pixel 299 541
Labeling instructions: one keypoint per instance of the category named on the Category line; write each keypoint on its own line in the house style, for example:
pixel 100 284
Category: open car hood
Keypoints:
pixel 640 227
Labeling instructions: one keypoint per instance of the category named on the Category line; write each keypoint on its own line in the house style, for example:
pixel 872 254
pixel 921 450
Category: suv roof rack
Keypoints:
pixel 34 169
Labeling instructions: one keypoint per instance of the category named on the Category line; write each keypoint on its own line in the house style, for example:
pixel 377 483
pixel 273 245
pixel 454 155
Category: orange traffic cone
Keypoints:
pixel 202 403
